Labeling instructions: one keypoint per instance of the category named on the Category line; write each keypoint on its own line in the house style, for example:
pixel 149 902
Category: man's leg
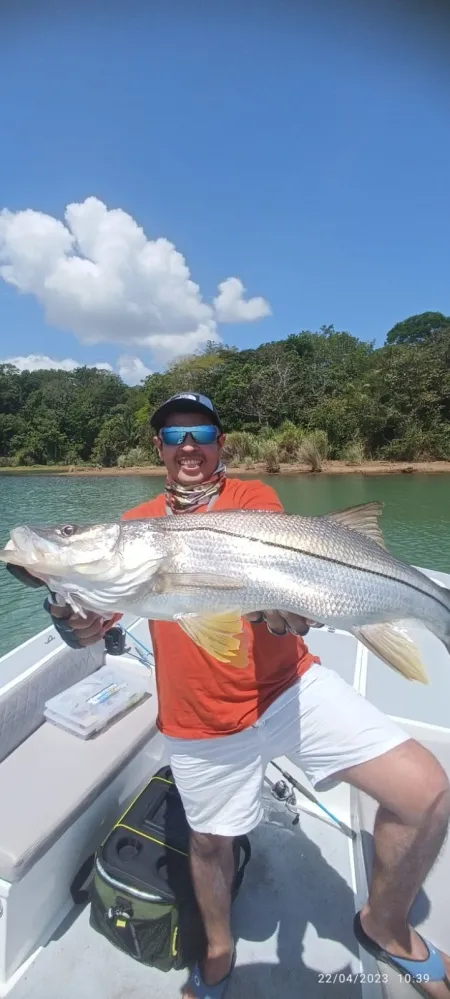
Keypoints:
pixel 342 736
pixel 212 866
pixel 220 782
pixel 410 828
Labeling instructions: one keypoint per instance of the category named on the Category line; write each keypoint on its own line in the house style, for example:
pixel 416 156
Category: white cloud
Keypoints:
pixel 231 307
pixel 97 275
pixel 131 369
pixel 35 362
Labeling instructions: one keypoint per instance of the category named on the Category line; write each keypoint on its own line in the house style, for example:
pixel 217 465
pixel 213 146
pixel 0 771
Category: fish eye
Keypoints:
pixel 67 530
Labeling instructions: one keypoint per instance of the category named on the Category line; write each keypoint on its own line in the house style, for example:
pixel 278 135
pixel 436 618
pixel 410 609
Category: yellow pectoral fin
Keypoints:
pixel 221 635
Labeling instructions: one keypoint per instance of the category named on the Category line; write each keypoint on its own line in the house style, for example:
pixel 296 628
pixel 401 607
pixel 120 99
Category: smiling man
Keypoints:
pixel 223 725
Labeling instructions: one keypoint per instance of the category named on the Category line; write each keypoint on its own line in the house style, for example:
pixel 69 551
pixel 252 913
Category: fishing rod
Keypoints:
pixel 308 794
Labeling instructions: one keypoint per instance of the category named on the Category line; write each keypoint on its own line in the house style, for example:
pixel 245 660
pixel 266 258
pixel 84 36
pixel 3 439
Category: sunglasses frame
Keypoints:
pixel 183 432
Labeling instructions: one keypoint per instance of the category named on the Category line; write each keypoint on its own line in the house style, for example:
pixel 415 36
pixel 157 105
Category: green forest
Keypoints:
pixel 311 396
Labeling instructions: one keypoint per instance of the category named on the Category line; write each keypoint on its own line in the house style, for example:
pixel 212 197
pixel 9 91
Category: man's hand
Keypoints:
pixel 279 623
pixel 84 630
pixel 88 630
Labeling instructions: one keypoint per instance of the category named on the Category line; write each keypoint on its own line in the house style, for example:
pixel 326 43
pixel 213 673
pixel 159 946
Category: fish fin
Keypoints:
pixel 362 518
pixel 395 648
pixel 221 635
pixel 169 581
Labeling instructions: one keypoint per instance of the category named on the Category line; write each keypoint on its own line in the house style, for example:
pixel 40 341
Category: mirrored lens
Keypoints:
pixel 202 435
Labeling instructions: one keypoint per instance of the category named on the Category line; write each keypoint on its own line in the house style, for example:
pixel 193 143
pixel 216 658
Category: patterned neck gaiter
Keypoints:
pixel 184 499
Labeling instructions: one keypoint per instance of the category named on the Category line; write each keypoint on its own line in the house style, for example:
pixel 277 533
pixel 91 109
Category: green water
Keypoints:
pixel 416 519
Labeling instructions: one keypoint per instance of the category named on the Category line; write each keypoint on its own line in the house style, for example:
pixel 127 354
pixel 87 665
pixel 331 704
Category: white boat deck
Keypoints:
pixel 293 916
pixel 292 921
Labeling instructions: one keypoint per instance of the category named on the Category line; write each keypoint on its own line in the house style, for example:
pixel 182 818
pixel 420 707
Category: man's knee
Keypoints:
pixel 427 792
pixel 207 845
pixel 408 781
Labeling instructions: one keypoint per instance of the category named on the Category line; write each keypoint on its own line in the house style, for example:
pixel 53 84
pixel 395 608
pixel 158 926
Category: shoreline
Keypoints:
pixel 328 468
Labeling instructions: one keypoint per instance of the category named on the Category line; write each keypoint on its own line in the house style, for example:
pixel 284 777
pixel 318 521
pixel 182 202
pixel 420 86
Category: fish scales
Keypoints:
pixel 205 572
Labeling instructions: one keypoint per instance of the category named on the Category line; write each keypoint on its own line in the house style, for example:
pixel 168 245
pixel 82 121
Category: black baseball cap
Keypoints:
pixel 185 402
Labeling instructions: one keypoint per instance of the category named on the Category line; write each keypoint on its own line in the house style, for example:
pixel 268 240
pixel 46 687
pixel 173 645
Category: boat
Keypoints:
pixel 308 875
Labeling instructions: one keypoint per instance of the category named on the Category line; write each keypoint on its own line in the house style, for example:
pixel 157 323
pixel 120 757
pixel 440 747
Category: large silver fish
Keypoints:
pixel 205 571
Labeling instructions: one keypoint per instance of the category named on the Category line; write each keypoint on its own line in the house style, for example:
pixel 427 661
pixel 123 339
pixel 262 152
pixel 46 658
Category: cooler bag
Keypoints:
pixel 141 894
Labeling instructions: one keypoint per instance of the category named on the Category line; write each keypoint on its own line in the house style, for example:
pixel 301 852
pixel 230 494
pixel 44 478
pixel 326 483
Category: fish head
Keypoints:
pixel 117 556
pixel 62 549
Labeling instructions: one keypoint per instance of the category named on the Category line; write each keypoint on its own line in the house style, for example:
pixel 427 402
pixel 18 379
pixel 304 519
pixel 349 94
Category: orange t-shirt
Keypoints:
pixel 198 696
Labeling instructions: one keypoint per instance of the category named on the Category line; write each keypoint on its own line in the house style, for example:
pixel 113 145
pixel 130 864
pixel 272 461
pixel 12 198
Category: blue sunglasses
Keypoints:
pixel 174 436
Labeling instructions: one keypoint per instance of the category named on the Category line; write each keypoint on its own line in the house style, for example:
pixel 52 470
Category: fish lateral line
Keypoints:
pixel 327 558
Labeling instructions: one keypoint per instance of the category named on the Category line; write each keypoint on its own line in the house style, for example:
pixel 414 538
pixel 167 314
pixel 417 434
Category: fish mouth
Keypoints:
pixel 22 550
pixel 25 542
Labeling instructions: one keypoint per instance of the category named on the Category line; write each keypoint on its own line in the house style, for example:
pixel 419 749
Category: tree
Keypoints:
pixel 417 329
pixel 118 434
pixel 393 401
pixel 10 389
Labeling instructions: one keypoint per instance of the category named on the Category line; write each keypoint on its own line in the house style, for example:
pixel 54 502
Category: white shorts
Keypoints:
pixel 321 723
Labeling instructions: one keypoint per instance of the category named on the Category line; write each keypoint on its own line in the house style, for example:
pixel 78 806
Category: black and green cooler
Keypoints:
pixel 141 895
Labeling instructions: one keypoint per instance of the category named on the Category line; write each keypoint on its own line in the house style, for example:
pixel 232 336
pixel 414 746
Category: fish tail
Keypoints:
pixel 445 592
pixel 445 637
pixel 443 633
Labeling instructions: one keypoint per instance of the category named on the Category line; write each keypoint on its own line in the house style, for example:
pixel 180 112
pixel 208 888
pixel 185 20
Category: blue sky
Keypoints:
pixel 302 148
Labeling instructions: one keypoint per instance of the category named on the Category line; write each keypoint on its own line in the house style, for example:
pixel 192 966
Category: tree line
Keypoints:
pixel 309 396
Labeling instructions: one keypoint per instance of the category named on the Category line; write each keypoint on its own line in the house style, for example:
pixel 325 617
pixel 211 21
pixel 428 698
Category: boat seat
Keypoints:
pixel 22 701
pixel 39 804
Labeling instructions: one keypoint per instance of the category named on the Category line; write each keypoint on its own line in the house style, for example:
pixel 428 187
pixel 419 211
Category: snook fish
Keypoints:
pixel 204 571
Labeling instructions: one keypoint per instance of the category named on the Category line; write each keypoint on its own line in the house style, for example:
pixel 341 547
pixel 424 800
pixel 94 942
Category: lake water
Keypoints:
pixel 415 521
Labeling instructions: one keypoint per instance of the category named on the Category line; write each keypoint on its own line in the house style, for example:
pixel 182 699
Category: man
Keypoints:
pixel 222 726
